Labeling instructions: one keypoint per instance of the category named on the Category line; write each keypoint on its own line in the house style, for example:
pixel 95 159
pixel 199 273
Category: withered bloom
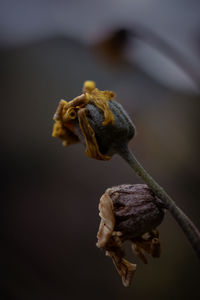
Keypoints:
pixel 95 119
pixel 129 212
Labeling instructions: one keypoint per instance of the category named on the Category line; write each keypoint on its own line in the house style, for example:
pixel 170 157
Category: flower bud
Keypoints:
pixel 95 119
pixel 129 212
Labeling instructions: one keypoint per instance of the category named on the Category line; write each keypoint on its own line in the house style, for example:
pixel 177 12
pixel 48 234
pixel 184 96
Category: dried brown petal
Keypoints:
pixel 149 243
pixel 107 224
pixel 125 269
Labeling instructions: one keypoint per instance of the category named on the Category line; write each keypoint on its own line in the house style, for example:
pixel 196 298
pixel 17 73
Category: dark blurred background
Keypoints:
pixel 148 52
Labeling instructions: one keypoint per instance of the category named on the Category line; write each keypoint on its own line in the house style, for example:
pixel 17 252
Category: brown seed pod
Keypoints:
pixel 136 209
pixel 129 212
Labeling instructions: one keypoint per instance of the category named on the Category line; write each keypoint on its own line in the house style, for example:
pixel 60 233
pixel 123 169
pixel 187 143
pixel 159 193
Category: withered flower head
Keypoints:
pixel 95 119
pixel 129 212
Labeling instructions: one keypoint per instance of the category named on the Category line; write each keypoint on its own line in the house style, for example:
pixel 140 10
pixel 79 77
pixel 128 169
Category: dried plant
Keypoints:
pixel 128 212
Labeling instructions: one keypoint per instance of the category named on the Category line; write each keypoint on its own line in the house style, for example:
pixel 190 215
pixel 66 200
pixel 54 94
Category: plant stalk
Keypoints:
pixel 190 230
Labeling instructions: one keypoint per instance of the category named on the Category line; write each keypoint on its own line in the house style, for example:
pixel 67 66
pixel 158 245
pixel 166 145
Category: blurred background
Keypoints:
pixel 148 52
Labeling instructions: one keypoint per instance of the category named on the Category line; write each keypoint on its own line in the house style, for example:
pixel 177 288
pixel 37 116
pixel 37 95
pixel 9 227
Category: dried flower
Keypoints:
pixel 95 119
pixel 129 212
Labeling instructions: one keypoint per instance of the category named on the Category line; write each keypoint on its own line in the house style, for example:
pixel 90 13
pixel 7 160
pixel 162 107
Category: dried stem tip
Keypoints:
pixel 129 212
pixel 95 119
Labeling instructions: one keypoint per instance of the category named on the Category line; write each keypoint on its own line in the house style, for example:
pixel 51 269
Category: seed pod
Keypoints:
pixel 135 208
pixel 114 135
pixel 95 119
pixel 129 212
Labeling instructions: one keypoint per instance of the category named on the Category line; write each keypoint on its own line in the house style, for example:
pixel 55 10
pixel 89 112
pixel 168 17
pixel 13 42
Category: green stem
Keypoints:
pixel 185 223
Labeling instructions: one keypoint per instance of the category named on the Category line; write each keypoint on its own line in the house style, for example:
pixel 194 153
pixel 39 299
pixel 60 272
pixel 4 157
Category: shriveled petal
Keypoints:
pixel 92 148
pixel 107 223
pixel 125 269
pixel 100 99
pixel 149 243
pixel 64 133
pixel 110 240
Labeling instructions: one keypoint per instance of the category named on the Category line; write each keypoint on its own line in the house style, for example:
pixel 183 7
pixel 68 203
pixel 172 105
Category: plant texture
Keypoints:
pixel 128 212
